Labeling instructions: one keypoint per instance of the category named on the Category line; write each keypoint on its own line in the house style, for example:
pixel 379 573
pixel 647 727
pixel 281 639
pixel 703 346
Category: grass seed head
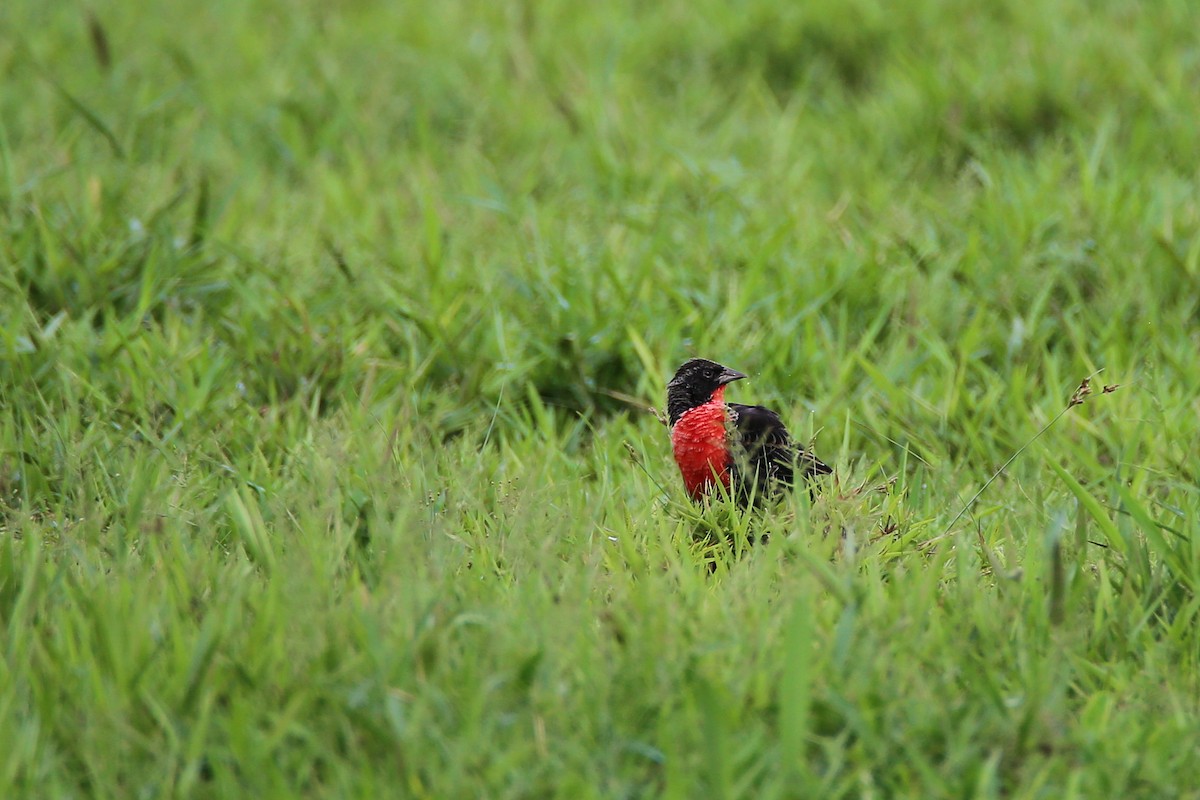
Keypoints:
pixel 1081 393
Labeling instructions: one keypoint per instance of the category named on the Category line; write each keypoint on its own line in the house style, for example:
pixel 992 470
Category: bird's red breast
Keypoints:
pixel 699 444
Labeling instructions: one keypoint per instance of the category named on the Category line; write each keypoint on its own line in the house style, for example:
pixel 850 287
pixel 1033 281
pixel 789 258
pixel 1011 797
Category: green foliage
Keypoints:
pixel 323 330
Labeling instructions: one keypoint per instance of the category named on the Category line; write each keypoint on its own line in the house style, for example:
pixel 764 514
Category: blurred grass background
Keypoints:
pixel 314 475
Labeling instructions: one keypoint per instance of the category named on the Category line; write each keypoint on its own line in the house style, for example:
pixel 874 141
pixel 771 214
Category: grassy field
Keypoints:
pixel 324 330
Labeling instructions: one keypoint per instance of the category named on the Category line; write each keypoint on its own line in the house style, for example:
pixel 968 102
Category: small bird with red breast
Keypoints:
pixel 745 449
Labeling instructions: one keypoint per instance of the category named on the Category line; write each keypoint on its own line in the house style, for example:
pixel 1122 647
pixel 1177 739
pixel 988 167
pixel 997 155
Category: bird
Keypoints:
pixel 746 449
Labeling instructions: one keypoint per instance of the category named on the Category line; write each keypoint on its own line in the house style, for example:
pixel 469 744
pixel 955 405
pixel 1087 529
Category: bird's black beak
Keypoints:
pixel 729 376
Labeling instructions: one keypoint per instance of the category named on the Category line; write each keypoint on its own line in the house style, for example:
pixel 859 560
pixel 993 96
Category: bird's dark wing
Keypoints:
pixel 765 458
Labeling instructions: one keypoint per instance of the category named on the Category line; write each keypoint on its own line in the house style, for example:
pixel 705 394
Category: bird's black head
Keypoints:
pixel 694 384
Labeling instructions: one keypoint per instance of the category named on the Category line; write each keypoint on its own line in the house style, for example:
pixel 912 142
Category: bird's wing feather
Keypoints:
pixel 764 453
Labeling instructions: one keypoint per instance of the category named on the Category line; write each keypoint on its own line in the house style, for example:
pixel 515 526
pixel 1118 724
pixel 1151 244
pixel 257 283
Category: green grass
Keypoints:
pixel 312 478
